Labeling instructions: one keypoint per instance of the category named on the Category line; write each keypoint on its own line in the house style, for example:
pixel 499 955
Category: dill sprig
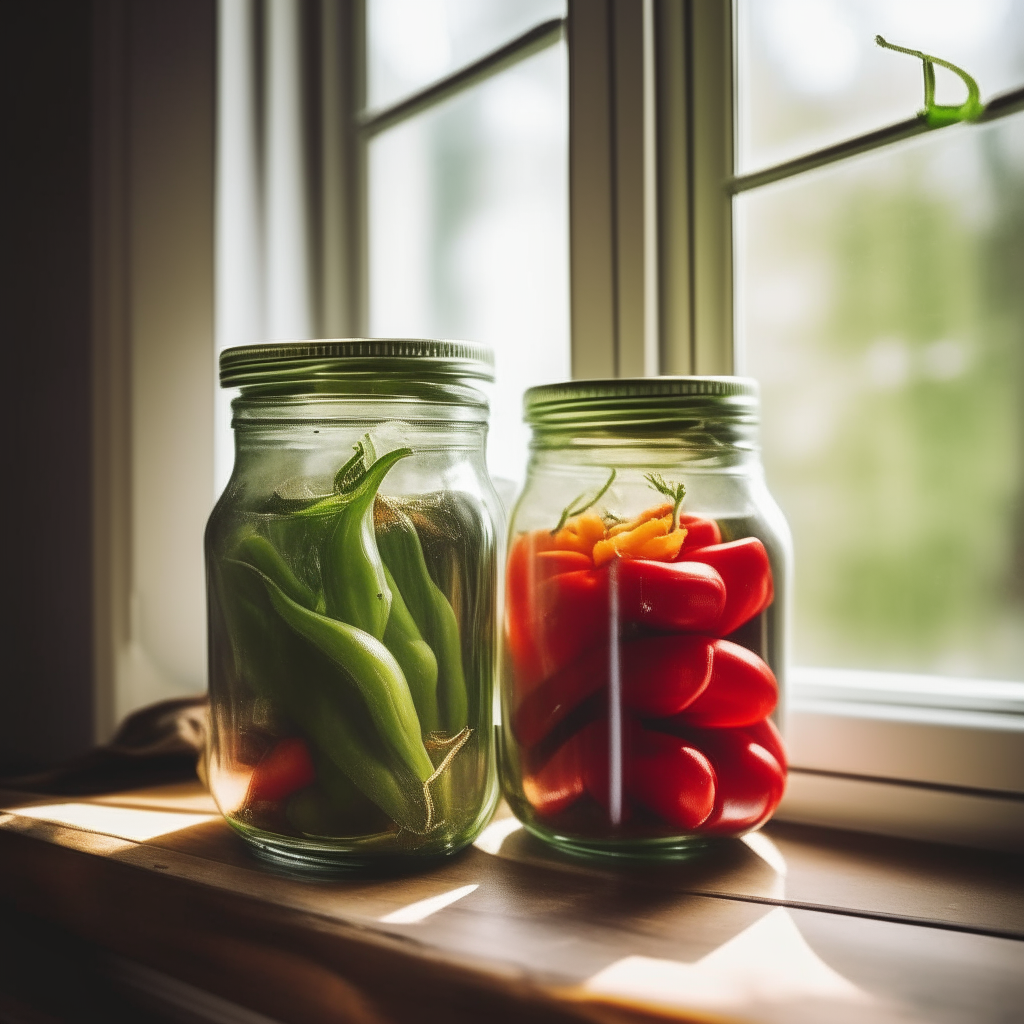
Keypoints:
pixel 582 502
pixel 671 490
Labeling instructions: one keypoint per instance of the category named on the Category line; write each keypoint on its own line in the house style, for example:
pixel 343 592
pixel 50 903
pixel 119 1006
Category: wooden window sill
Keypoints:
pixel 795 924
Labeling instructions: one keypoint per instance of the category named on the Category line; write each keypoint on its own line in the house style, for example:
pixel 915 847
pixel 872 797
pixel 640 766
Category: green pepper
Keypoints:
pixel 404 640
pixel 459 550
pixel 260 553
pixel 355 587
pixel 399 544
pixel 306 685
pixel 373 669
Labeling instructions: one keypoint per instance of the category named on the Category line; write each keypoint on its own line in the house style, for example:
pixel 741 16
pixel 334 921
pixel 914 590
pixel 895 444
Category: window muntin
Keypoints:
pixel 411 43
pixel 810 74
pixel 468 233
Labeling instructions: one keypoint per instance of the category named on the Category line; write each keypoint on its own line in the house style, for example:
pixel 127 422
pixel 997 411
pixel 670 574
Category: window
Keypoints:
pixel 879 304
pixel 564 182
pixel 467 205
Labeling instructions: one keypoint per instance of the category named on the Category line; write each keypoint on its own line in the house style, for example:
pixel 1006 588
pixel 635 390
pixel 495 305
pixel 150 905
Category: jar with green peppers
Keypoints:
pixel 645 620
pixel 351 567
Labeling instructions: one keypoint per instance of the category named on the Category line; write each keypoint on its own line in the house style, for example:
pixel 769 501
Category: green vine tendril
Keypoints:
pixel 937 115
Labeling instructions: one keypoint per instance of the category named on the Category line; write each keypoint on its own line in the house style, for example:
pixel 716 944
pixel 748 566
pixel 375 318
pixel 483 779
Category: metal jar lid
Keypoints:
pixel 316 363
pixel 641 404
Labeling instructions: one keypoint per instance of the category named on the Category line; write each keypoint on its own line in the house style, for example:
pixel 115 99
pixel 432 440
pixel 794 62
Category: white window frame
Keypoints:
pixel 651 192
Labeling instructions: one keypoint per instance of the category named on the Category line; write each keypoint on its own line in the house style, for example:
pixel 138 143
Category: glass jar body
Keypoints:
pixel 644 648
pixel 352 566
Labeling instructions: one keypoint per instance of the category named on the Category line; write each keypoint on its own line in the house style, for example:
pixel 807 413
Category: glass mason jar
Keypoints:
pixel 645 609
pixel 352 567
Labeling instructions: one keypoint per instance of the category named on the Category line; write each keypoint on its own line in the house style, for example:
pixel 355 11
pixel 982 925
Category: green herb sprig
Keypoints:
pixel 671 490
pixel 582 502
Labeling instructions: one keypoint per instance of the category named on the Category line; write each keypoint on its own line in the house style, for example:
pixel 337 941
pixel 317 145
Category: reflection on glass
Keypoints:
pixel 411 43
pixel 811 74
pixel 469 234
pixel 882 309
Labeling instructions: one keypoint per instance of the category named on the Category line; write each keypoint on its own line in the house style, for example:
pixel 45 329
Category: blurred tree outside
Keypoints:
pixel 882 307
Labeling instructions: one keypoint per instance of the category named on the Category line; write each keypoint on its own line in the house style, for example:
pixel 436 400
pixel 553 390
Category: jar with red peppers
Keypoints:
pixel 645 619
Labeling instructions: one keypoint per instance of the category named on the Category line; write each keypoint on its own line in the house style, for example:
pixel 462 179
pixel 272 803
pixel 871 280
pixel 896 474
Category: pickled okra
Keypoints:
pixel 333 617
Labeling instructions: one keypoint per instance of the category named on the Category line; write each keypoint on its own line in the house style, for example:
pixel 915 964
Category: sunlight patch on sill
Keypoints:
pixel 120 822
pixel 760 844
pixel 769 962
pixel 492 837
pixel 422 909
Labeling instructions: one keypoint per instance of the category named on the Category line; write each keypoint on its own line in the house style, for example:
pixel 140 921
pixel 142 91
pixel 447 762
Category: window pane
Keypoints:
pixel 469 233
pixel 411 43
pixel 882 310
pixel 811 74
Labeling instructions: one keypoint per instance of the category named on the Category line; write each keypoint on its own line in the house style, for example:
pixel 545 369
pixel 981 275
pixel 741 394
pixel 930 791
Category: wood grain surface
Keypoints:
pixel 792 925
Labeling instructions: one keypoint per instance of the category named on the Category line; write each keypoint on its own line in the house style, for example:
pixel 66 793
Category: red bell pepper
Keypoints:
pixel 768 736
pixel 700 532
pixel 548 620
pixel 558 783
pixel 744 566
pixel 671 778
pixel 742 689
pixel 519 587
pixel 570 615
pixel 596 749
pixel 750 780
pixel 660 675
pixel 558 620
pixel 553 563
pixel 284 770
pixel 668 595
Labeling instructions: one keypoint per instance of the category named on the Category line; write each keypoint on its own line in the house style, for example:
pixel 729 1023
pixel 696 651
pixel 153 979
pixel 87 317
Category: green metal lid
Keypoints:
pixel 319 362
pixel 645 403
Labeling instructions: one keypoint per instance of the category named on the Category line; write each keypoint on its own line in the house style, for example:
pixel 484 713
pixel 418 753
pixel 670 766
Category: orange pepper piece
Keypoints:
pixel 665 548
pixel 631 542
pixel 655 512
pixel 580 533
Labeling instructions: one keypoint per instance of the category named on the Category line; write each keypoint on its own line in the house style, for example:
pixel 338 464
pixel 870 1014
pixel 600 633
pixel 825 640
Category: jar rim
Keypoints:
pixel 316 362
pixel 640 401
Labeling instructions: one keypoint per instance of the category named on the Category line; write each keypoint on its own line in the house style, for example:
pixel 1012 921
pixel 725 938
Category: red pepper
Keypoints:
pixel 768 736
pixel 700 533
pixel 668 595
pixel 660 675
pixel 546 705
pixel 286 769
pixel 744 566
pixel 538 609
pixel 571 614
pixel 519 586
pixel 596 749
pixel 558 783
pixel 741 691
pixel 671 778
pixel 750 780
pixel 552 563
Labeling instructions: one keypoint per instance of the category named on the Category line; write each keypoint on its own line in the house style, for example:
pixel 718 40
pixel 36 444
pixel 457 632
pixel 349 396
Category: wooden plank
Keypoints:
pixel 520 931
pixel 790 865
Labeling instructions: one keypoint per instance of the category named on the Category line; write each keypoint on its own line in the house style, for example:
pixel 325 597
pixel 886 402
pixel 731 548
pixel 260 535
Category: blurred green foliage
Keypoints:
pixel 894 399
